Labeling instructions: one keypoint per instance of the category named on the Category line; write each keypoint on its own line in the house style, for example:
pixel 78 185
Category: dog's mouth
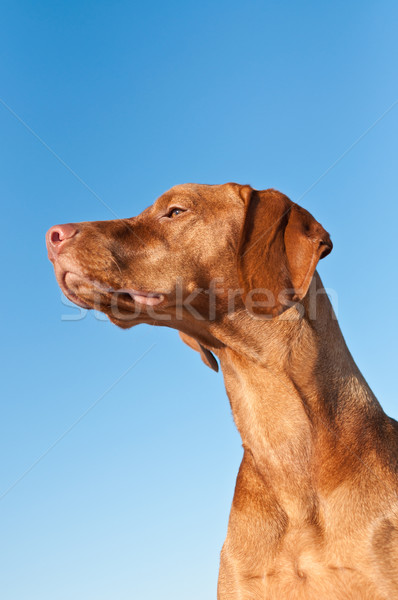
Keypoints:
pixel 94 295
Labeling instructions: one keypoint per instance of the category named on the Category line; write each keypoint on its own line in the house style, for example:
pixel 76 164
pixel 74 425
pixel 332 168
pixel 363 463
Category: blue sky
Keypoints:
pixel 132 501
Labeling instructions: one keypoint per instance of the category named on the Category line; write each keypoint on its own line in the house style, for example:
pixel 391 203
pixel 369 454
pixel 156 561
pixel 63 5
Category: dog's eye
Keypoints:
pixel 174 212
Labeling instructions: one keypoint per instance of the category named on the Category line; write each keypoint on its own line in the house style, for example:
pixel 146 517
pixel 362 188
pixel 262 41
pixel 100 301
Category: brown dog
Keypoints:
pixel 315 511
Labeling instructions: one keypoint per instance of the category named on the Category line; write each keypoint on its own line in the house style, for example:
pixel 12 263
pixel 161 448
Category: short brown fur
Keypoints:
pixel 315 510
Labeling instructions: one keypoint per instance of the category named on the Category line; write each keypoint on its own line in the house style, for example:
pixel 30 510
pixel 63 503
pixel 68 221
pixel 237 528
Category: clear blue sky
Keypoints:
pixel 133 502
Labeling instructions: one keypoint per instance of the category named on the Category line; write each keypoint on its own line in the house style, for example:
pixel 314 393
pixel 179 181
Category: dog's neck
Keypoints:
pixel 301 405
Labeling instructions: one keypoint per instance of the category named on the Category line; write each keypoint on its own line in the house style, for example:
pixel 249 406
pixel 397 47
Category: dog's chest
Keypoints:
pixel 303 569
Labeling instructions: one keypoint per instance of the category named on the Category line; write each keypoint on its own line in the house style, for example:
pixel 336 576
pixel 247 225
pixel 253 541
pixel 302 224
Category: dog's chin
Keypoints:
pixel 124 323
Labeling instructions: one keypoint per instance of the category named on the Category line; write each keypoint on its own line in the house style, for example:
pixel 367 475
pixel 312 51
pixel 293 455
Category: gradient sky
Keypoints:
pixel 115 485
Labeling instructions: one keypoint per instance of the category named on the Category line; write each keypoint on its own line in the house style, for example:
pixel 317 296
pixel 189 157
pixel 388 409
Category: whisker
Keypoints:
pixel 113 259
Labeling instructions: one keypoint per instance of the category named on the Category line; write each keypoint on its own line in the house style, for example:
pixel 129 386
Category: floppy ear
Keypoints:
pixel 279 249
pixel 206 355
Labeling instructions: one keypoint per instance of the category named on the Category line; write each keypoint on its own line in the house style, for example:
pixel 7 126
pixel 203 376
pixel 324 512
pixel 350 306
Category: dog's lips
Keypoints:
pixel 65 283
pixel 72 283
pixel 76 300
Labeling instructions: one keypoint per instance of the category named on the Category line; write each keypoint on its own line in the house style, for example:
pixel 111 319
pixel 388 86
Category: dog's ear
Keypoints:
pixel 279 249
pixel 206 355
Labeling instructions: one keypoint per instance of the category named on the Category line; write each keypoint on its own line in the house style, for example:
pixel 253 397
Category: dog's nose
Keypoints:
pixel 57 236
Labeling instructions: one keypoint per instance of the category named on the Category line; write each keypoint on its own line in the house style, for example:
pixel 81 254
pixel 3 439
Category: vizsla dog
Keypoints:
pixel 315 510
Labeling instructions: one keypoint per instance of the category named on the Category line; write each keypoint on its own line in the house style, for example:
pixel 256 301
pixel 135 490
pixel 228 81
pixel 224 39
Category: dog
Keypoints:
pixel 233 269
